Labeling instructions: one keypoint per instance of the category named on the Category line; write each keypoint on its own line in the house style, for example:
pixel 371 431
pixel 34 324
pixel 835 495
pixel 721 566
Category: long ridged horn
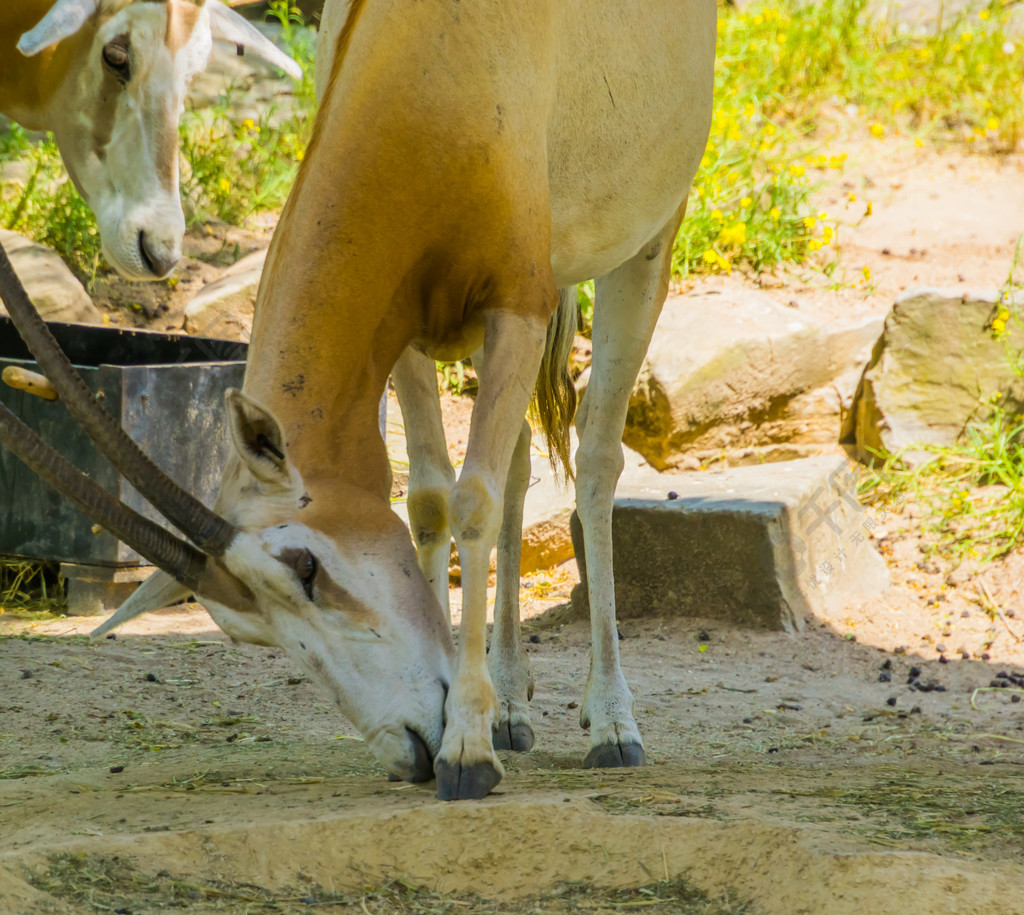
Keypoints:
pixel 205 528
pixel 64 18
pixel 227 25
pixel 177 558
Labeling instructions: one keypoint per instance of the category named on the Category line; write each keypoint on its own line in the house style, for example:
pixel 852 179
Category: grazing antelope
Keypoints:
pixel 471 161
pixel 109 78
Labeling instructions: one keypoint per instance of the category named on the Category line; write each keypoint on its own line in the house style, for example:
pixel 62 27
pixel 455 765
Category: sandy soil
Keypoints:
pixel 864 765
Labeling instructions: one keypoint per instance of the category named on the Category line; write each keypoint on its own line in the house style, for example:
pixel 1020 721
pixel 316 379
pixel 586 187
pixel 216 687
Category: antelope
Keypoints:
pixel 109 78
pixel 471 161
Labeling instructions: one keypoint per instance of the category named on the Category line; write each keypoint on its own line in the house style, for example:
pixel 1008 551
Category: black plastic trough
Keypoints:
pixel 166 390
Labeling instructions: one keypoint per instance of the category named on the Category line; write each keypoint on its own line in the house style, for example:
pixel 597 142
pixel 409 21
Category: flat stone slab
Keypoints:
pixel 52 287
pixel 761 546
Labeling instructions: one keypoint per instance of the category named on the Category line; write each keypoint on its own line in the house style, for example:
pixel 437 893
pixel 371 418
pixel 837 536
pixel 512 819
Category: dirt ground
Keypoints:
pixel 866 764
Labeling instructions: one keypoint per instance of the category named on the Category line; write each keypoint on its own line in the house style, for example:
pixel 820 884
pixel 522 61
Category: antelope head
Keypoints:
pixel 278 567
pixel 125 67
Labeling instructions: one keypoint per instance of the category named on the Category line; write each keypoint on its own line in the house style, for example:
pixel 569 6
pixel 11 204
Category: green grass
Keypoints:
pixel 234 166
pixel 791 76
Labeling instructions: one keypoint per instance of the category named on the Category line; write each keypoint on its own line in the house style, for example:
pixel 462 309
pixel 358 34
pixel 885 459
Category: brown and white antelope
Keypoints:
pixel 471 161
pixel 109 78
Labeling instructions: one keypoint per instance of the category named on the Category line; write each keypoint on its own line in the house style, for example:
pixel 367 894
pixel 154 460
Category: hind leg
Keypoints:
pixel 431 476
pixel 627 304
pixel 507 661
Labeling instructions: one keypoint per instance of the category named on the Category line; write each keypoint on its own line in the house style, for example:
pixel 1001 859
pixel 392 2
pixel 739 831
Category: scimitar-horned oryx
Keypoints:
pixel 109 78
pixel 471 161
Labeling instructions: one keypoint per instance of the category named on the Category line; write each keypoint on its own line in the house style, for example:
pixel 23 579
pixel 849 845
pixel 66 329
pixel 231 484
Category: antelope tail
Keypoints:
pixel 555 394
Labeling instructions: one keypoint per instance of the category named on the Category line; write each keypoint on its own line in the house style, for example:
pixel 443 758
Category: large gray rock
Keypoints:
pixel 756 546
pixel 741 373
pixel 53 288
pixel 933 371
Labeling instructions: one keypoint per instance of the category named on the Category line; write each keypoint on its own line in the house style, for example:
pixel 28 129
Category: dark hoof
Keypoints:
pixel 613 756
pixel 518 737
pixel 465 783
pixel 394 778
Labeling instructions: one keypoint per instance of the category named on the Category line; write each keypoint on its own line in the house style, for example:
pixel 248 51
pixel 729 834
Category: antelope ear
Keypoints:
pixel 258 439
pixel 64 19
pixel 227 25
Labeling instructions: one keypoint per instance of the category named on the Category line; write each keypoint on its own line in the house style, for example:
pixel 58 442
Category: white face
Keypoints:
pixel 351 606
pixel 117 128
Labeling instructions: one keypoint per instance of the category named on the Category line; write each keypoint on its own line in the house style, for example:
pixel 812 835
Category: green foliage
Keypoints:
pixel 237 166
pixel 785 69
pixel 46 205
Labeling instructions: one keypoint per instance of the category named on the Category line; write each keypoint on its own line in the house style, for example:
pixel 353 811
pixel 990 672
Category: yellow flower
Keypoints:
pixel 810 222
pixel 769 128
pixel 998 326
pixel 826 234
pixel 992 123
pixel 837 161
pixel 736 234
pixel 966 37
pixel 300 154
pixel 775 214
pixel 877 130
pixel 717 214
pixel 853 197
pixel 248 123
pixel 814 245
pixel 732 177
pixel 869 209
pixel 983 15
pixel 867 273
pixel 224 185
pixel 746 201
pixel 918 142
pixel 797 171
pixel 714 259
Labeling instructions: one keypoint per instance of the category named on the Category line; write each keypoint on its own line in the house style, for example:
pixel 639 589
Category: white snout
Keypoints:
pixel 142 241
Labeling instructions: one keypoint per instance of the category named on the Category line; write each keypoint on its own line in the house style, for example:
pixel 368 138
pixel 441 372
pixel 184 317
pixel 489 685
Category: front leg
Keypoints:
pixel 467 766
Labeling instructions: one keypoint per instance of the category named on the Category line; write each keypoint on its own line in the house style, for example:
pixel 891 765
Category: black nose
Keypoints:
pixel 158 260
pixel 423 766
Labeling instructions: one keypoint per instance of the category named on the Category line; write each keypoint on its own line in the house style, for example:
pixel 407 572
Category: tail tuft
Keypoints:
pixel 555 394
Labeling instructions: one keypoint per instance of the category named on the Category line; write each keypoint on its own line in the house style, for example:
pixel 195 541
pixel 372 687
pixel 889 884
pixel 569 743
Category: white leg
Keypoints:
pixel 508 663
pixel 467 766
pixel 627 304
pixel 431 476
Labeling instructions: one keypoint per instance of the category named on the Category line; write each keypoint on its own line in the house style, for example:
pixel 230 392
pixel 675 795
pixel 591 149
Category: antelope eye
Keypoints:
pixel 305 569
pixel 116 59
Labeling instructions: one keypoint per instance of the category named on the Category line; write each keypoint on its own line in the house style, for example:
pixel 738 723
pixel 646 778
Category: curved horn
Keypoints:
pixel 64 18
pixel 205 528
pixel 177 558
pixel 228 26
